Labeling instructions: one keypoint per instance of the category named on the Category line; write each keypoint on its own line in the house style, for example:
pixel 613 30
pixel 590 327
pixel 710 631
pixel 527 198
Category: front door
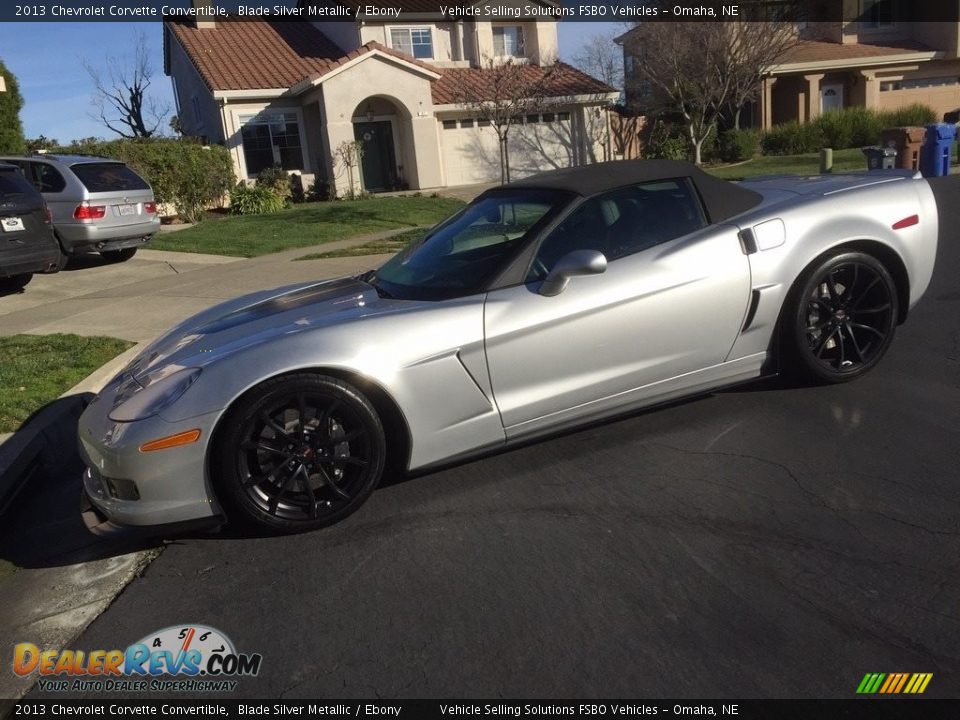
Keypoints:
pixel 378 164
pixel 670 303
pixel 831 97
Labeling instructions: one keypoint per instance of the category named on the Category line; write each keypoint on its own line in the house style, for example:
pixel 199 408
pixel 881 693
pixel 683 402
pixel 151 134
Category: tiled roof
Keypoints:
pixel 819 51
pixel 256 55
pixel 564 80
pixel 262 55
pixel 368 47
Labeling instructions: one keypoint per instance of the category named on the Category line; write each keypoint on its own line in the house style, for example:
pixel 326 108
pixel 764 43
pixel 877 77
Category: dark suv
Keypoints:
pixel 27 244
pixel 98 204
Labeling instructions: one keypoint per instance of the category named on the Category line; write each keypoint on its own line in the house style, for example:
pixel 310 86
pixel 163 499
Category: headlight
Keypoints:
pixel 138 402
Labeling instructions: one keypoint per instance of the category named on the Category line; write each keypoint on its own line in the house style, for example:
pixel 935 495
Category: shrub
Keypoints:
pixel 254 200
pixel 792 138
pixel 321 190
pixel 182 172
pixel 277 179
pixel 666 142
pixel 915 114
pixel 738 145
pixel 856 126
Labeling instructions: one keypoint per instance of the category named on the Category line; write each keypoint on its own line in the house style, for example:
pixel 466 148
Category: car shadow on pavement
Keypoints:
pixel 42 527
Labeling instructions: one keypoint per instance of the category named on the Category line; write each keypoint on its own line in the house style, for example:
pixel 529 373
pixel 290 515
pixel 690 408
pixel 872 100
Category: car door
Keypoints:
pixel 670 303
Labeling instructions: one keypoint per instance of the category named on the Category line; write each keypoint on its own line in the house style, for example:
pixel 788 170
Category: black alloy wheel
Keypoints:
pixel 118 256
pixel 844 317
pixel 301 452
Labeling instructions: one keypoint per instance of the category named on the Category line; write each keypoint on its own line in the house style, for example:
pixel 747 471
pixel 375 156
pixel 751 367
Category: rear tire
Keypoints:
pixel 118 256
pixel 298 453
pixel 15 283
pixel 839 318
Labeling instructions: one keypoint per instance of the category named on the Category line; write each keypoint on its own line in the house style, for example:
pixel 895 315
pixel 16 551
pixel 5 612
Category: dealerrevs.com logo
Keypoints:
pixel 197 658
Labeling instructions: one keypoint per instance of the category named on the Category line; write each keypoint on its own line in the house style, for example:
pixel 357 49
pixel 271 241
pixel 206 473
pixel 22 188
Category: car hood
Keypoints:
pixel 257 318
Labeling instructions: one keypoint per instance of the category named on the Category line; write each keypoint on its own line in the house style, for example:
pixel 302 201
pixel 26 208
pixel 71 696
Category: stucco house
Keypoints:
pixel 883 56
pixel 290 93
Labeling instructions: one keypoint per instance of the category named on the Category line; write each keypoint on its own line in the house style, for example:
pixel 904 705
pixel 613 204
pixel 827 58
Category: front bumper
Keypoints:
pixel 127 487
pixel 102 526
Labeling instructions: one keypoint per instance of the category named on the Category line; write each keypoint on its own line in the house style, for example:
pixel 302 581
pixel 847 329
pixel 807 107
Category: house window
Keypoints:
pixel 449 124
pixel 533 119
pixel 876 13
pixel 482 122
pixel 508 41
pixel 629 63
pixel 548 117
pixel 271 139
pixel 466 123
pixel 413 41
pixel 563 117
pixel 919 83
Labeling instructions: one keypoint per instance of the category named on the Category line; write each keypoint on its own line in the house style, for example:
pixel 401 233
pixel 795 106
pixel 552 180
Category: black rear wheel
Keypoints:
pixel 15 283
pixel 299 453
pixel 840 319
pixel 118 255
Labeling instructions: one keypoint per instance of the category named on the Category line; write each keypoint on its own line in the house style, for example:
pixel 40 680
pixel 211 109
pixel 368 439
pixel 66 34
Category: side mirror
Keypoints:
pixel 578 262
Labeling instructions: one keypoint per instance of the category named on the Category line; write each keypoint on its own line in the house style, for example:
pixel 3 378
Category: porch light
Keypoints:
pixel 370 112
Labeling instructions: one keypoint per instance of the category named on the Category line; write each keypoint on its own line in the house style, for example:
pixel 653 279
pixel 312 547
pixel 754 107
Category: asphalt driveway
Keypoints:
pixel 769 541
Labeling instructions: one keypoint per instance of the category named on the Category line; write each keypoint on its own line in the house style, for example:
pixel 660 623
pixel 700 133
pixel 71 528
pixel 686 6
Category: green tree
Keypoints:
pixel 11 130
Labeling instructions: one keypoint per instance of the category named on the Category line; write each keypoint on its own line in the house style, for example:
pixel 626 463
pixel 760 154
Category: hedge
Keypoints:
pixel 183 173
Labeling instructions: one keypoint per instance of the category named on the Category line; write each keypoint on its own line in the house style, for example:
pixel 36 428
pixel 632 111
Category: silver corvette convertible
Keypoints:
pixel 544 304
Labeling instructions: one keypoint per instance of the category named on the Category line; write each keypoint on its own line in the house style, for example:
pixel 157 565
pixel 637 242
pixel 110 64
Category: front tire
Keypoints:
pixel 299 453
pixel 840 318
pixel 118 256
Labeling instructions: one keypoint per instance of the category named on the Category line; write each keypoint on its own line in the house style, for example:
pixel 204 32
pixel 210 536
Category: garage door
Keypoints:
pixel 471 152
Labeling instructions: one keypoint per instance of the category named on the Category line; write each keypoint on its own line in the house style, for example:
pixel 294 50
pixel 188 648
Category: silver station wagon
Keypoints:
pixel 98 205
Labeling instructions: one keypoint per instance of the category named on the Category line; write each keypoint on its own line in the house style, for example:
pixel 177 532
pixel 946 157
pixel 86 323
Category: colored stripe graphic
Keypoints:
pixel 894 683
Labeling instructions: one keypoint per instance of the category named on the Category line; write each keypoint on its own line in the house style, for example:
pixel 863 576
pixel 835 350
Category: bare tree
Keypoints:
pixel 602 58
pixel 685 65
pixel 703 69
pixel 510 91
pixel 754 48
pixel 121 93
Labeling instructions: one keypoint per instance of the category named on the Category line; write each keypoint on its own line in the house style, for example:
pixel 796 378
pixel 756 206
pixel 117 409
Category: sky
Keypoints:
pixel 47 60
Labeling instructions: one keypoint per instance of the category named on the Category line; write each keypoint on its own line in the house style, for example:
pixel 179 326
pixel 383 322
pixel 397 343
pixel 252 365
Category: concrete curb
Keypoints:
pixel 51 602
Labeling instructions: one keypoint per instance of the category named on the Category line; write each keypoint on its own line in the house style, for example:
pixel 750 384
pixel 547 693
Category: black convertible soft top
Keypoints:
pixel 721 199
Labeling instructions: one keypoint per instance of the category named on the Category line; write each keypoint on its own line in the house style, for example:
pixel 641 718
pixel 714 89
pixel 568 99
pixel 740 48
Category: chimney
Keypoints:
pixel 204 19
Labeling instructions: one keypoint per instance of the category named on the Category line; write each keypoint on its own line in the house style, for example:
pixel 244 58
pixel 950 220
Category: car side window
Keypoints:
pixel 623 222
pixel 46 178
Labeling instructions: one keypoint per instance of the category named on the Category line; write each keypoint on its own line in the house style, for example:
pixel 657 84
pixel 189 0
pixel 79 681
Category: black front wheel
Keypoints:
pixel 840 318
pixel 299 453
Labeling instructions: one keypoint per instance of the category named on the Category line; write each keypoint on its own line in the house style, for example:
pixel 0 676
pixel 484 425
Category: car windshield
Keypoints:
pixel 463 254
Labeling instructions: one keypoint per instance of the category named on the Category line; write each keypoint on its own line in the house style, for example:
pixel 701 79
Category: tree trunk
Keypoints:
pixel 697 145
pixel 504 173
pixel 736 117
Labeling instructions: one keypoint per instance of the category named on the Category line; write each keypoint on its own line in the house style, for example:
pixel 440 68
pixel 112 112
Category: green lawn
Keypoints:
pixel 386 246
pixel 36 369
pixel 305 225
pixel 809 164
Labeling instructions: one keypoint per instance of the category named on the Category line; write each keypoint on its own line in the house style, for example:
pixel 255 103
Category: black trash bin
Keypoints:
pixel 880 158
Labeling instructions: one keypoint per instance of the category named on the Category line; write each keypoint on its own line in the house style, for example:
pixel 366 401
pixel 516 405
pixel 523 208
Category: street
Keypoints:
pixel 766 541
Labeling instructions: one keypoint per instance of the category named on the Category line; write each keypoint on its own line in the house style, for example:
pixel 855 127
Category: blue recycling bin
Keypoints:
pixel 935 153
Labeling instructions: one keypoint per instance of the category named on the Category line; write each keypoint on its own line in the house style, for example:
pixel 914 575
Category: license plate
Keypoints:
pixel 11 224
pixel 126 209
